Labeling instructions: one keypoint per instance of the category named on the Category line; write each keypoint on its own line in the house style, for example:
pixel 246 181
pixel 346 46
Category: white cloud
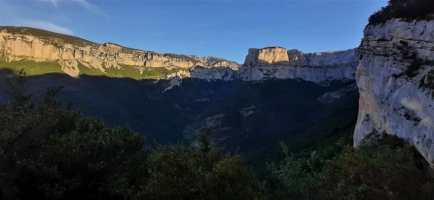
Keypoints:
pixel 46 26
pixel 92 8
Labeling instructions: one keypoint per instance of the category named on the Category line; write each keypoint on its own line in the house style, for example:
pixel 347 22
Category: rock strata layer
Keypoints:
pixel 277 62
pixel 395 77
pixel 17 43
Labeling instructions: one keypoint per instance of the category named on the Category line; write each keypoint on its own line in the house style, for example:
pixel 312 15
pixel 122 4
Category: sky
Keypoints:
pixel 221 28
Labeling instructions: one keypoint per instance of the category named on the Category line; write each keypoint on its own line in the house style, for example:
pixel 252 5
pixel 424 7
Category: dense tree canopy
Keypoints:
pixel 49 151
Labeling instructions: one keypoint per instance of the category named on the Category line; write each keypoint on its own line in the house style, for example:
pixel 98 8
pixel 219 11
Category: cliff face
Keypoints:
pixel 76 56
pixel 277 62
pixel 38 45
pixel 268 55
pixel 17 46
pixel 395 77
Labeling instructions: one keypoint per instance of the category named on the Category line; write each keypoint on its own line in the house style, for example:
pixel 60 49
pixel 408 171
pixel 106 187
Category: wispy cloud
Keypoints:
pixel 88 6
pixel 54 2
pixel 92 8
pixel 46 26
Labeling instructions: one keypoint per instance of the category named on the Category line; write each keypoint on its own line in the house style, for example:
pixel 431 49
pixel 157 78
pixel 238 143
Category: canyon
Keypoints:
pixel 172 97
pixel 393 67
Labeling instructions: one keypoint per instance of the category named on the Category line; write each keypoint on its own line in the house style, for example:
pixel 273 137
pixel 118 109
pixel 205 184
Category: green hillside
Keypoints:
pixel 33 68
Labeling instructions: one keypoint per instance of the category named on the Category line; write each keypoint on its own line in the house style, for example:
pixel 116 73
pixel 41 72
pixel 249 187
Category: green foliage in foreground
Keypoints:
pixel 48 151
pixel 385 168
pixel 405 9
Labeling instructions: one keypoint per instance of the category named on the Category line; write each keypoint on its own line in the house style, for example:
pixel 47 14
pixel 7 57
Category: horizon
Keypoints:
pixel 223 29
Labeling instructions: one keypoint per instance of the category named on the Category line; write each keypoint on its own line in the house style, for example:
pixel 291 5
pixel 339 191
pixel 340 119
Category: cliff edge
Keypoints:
pixel 47 52
pixel 73 54
pixel 395 77
pixel 278 62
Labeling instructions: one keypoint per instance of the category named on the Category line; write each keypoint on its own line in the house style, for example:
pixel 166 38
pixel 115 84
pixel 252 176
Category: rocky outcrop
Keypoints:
pixel 216 73
pixel 277 62
pixel 214 62
pixel 268 55
pixel 395 77
pixel 333 96
pixel 16 46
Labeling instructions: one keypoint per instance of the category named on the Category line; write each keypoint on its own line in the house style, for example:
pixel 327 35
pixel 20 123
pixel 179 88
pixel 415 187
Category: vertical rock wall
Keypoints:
pixel 395 77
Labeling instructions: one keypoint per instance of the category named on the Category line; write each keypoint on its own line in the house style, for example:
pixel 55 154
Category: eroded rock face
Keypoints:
pixel 277 62
pixel 216 73
pixel 333 96
pixel 25 43
pixel 268 55
pixel 273 62
pixel 395 77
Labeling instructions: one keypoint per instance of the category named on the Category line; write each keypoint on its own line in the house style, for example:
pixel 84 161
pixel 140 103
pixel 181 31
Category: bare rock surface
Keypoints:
pixel 277 62
pixel 395 77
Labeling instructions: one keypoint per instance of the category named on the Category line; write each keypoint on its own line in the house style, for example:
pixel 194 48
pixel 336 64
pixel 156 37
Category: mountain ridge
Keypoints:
pixel 76 56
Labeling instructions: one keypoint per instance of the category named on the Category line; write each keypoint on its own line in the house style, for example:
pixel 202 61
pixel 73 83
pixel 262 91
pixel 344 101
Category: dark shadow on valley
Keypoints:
pixel 256 115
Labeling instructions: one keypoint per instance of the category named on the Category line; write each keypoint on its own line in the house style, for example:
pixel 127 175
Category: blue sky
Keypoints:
pixel 225 29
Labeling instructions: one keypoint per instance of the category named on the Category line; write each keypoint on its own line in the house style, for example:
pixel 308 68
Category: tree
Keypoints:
pixel 49 151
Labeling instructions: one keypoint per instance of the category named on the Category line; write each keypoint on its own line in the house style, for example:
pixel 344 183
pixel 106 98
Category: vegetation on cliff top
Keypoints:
pixel 47 35
pixel 404 9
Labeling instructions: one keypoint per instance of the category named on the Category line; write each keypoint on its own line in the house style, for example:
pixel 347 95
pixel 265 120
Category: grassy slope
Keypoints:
pixel 37 68
pixel 126 71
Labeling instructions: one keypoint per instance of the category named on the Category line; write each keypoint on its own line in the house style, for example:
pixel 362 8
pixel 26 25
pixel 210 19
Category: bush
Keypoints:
pixel 48 151
pixel 405 9
pixel 177 172
pixel 383 169
pixel 289 180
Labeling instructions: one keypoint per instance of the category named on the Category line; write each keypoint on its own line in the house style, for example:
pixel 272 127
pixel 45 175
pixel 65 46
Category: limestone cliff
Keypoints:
pixel 268 55
pixel 277 62
pixel 76 56
pixel 17 43
pixel 395 77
